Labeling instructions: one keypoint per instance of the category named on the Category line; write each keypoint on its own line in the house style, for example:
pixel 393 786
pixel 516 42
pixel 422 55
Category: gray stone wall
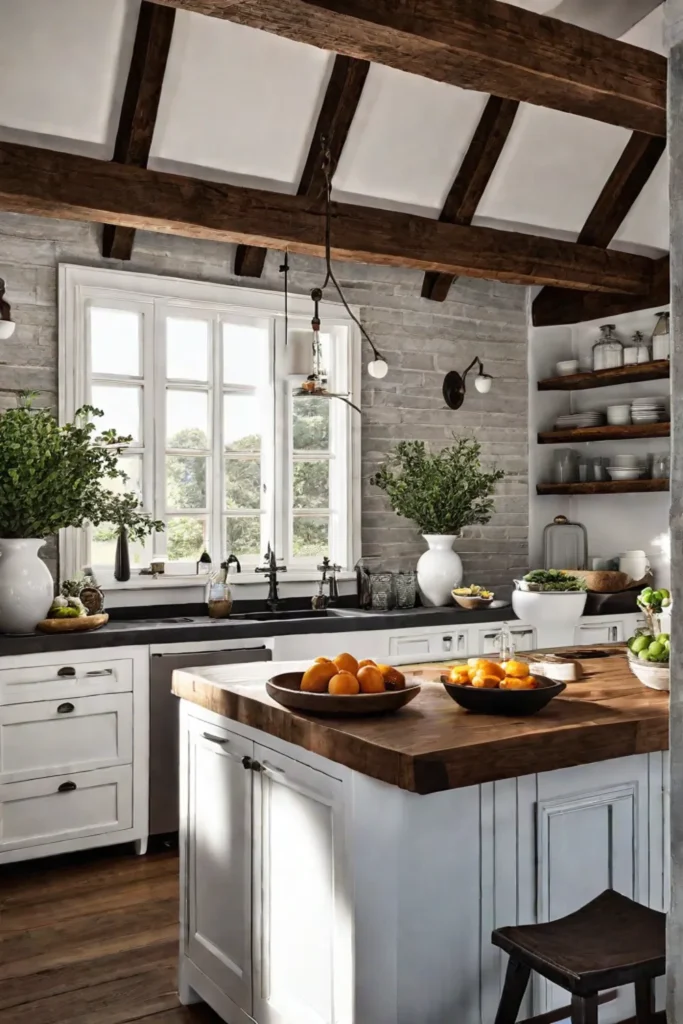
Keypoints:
pixel 421 340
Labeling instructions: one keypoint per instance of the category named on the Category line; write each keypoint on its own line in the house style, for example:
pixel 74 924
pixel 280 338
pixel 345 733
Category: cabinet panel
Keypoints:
pixel 218 858
pixel 65 679
pixel 453 643
pixel 409 646
pixel 523 638
pixel 65 807
pixel 599 633
pixel 302 939
pixel 54 737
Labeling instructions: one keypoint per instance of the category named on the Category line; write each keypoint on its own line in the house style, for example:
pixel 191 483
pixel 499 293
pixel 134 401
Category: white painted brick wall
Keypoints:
pixel 421 340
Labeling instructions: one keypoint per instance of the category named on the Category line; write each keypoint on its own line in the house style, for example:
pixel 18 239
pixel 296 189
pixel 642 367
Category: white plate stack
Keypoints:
pixel 648 410
pixel 579 420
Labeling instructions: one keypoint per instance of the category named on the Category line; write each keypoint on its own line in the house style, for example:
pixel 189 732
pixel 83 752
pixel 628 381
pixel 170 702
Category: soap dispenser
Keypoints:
pixel 219 593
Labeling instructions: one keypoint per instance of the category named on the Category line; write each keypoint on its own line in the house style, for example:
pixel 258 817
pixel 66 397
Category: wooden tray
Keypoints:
pixel 284 688
pixel 84 622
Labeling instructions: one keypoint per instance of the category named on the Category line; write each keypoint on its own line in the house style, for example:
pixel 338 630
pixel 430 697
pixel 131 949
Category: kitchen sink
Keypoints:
pixel 282 615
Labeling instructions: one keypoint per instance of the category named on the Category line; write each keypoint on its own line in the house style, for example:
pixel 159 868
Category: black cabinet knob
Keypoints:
pixel 67 671
pixel 66 787
pixel 65 709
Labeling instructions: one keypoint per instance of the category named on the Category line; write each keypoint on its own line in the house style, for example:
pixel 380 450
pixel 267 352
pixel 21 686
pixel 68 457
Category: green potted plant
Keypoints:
pixel 52 476
pixel 441 492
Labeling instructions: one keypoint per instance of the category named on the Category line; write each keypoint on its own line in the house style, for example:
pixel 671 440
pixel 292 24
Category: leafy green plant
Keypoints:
pixel 555 580
pixel 441 492
pixel 53 476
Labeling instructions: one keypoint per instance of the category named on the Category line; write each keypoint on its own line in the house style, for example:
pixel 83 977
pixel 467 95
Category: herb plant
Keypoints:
pixel 441 492
pixel 555 580
pixel 53 476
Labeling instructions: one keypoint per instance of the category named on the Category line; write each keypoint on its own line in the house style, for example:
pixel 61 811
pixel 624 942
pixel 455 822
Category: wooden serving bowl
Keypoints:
pixel 76 625
pixel 472 604
pixel 495 701
pixel 286 690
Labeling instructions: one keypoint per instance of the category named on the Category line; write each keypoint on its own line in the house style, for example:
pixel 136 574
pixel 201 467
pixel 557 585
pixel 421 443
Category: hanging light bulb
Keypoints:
pixel 378 368
pixel 482 383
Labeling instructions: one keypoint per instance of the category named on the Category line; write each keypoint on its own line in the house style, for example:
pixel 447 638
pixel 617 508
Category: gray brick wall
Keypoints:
pixel 421 340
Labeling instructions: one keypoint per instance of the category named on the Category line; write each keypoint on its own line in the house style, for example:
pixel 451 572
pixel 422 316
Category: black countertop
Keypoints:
pixel 177 627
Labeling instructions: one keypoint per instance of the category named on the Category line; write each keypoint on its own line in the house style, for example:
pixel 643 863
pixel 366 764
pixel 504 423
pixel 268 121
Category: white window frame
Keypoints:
pixel 155 297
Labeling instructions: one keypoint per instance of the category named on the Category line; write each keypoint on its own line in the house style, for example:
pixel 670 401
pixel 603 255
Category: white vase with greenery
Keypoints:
pixel 441 492
pixel 53 476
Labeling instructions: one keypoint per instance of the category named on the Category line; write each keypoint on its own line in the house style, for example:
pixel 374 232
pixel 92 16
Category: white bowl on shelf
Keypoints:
pixel 626 461
pixel 624 472
pixel 618 415
pixel 567 367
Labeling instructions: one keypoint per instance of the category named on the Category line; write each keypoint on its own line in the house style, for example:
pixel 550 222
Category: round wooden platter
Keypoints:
pixel 285 689
pixel 82 623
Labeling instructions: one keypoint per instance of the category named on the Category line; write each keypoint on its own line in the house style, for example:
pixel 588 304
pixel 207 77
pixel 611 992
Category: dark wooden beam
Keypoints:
pixel 560 306
pixel 634 167
pixel 47 183
pixel 475 44
pixel 139 108
pixel 336 114
pixel 472 178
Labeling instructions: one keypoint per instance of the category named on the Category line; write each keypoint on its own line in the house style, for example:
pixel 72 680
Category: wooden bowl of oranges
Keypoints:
pixel 343 686
pixel 500 688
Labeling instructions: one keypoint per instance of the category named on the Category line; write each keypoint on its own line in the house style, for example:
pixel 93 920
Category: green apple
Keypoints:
pixel 655 649
pixel 640 643
pixel 644 655
pixel 662 638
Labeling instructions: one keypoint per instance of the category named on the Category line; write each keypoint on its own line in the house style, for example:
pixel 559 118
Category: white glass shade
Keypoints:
pixel 378 368
pixel 482 383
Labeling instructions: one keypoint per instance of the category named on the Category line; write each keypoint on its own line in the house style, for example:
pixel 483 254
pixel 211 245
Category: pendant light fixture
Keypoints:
pixel 7 324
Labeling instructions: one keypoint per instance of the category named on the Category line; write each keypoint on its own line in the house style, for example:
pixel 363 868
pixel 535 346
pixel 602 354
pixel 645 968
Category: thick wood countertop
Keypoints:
pixel 433 745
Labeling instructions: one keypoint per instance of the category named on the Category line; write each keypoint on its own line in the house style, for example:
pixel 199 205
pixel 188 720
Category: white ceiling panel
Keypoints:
pixel 551 171
pixel 406 142
pixel 646 227
pixel 648 33
pixel 238 104
pixel 63 71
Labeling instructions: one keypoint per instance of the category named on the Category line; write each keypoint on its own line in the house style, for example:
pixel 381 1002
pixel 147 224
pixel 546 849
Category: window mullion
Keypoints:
pixel 217 462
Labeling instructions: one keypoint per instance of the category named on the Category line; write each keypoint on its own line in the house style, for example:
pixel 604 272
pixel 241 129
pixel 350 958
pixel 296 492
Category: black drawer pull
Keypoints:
pixel 214 739
pixel 67 672
pixel 65 709
pixel 66 787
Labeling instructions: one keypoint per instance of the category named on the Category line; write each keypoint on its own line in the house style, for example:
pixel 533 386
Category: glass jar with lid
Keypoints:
pixel 661 344
pixel 608 351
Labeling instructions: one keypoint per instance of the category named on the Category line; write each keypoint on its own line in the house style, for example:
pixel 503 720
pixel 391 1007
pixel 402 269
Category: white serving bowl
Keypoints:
pixel 618 415
pixel 627 461
pixel 651 674
pixel 549 608
pixel 567 367
pixel 623 472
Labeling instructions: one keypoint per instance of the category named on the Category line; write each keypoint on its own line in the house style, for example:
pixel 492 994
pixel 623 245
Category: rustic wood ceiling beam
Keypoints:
pixel 61 185
pixel 140 107
pixel 626 182
pixel 486 45
pixel 472 178
pixel 336 114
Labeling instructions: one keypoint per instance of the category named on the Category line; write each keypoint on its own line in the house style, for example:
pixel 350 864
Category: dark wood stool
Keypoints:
pixel 611 941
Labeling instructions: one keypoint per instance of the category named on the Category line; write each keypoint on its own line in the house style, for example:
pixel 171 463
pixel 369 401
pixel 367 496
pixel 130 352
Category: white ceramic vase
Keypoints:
pixel 26 586
pixel 438 570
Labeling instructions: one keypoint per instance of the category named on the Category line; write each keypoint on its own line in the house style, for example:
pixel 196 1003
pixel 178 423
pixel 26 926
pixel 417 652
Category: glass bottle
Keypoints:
pixel 219 594
pixel 608 351
pixel 661 342
pixel 643 352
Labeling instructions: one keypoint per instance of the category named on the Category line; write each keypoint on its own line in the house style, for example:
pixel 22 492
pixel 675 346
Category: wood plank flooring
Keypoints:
pixel 92 939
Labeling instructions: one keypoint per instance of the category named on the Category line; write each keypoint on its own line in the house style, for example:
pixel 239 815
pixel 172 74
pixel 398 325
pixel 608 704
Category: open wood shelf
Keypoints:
pixel 605 487
pixel 658 370
pixel 631 432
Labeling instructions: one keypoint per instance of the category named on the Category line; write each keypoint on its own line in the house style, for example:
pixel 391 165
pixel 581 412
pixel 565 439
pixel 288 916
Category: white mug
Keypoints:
pixel 634 564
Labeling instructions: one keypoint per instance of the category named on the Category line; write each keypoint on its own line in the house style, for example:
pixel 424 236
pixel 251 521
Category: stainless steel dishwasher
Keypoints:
pixel 163 726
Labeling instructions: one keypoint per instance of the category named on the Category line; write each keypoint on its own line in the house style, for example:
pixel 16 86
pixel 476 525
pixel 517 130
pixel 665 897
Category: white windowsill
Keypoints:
pixel 169 582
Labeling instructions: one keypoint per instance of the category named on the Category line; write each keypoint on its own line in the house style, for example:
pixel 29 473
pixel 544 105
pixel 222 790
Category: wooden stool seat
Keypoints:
pixel 612 941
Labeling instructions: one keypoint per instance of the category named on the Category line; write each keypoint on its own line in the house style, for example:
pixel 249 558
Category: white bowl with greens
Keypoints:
pixel 549 597
pixel 648 659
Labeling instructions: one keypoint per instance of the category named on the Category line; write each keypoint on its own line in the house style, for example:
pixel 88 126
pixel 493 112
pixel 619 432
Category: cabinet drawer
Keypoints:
pixel 52 737
pixel 408 645
pixel 65 807
pixel 65 679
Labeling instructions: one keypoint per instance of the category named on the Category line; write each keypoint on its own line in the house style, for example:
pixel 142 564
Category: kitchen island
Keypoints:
pixel 351 871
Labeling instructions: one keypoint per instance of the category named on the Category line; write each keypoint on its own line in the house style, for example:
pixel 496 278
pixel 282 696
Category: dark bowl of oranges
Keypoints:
pixel 490 687
pixel 343 686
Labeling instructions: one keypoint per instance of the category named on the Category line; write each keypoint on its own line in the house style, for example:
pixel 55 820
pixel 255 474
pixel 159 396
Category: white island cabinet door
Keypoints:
pixel 599 633
pixel 218 858
pixel 302 935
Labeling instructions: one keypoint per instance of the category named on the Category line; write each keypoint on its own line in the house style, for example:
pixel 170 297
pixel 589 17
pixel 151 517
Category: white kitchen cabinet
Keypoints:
pixel 302 937
pixel 368 643
pixel 609 631
pixel 523 637
pixel 218 864
pixel 254 821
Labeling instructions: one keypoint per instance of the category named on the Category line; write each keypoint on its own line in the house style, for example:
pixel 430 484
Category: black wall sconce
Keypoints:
pixel 454 385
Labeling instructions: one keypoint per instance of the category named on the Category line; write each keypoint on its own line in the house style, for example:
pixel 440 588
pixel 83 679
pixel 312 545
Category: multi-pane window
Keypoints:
pixel 224 451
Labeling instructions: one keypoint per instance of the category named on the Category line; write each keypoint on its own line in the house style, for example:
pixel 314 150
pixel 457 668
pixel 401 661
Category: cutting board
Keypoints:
pixel 79 625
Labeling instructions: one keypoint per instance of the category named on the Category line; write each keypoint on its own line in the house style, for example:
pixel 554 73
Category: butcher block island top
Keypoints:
pixel 432 744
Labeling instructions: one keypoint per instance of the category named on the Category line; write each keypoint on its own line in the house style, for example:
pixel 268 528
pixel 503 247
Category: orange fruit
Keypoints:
pixel 460 674
pixel 519 683
pixel 344 683
pixel 322 661
pixel 346 663
pixel 371 679
pixel 367 661
pixel 317 677
pixel 517 669
pixel 485 682
pixel 393 679
pixel 487 667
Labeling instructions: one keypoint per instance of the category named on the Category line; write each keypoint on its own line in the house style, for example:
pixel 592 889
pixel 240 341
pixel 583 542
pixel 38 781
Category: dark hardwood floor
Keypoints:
pixel 92 939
